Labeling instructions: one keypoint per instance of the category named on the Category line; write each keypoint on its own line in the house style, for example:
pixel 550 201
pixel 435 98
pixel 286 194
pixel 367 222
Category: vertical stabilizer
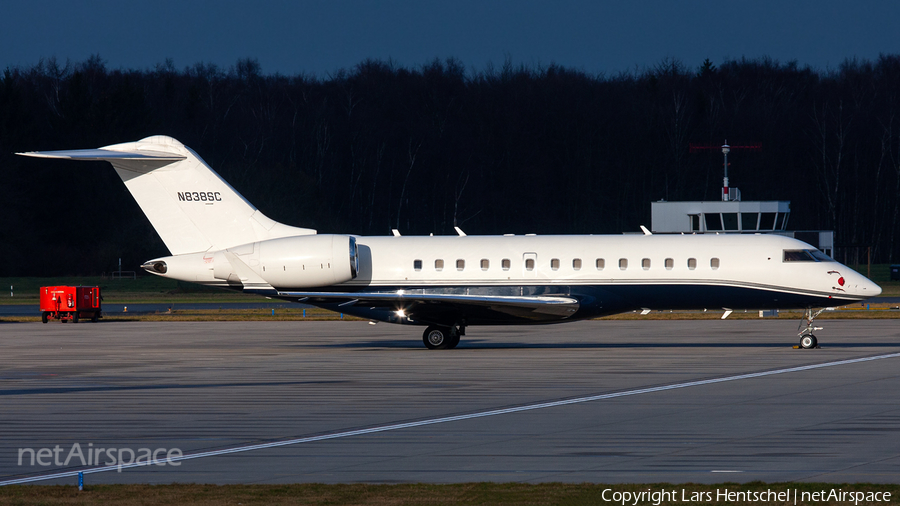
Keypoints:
pixel 191 207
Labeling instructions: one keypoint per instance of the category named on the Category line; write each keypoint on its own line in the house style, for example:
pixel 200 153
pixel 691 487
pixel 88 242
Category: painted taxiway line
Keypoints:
pixel 434 421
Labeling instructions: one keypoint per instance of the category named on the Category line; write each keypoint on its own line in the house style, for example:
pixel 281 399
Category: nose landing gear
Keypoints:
pixel 807 339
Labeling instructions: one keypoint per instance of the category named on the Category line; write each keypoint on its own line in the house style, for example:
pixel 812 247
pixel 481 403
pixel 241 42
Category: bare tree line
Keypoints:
pixel 514 149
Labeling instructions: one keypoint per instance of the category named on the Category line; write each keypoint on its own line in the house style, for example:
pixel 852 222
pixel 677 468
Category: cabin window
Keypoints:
pixel 438 265
pixel 645 264
pixel 623 263
pixel 417 265
pixel 601 264
pixel 485 264
pixel 504 264
pixel 714 263
pixel 766 221
pixel 576 264
pixel 670 264
pixel 554 264
pixel 460 264
pixel 529 264
pixel 692 263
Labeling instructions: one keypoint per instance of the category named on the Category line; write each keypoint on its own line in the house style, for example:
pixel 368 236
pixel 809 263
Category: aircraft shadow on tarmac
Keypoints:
pixel 484 344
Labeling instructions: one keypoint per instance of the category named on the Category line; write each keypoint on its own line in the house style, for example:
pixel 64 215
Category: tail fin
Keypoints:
pixel 191 207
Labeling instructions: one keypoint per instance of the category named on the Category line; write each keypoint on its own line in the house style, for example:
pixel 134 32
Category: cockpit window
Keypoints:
pixel 805 255
pixel 798 255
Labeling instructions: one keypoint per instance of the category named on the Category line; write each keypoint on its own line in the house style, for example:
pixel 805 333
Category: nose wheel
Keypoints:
pixel 808 342
pixel 807 339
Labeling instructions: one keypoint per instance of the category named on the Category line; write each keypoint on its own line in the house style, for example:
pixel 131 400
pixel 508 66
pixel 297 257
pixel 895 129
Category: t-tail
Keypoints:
pixel 191 207
pixel 215 236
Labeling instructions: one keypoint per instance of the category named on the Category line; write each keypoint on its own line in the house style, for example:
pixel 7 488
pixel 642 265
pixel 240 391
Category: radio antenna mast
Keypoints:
pixel 728 193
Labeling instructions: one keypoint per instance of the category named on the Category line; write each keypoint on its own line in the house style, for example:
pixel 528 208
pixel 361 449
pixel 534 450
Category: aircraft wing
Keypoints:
pixel 444 307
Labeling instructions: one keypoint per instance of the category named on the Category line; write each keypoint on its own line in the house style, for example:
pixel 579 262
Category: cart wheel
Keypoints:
pixel 75 317
pixel 95 317
pixel 43 316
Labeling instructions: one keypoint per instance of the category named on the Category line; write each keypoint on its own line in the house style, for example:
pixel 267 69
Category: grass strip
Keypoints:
pixel 463 494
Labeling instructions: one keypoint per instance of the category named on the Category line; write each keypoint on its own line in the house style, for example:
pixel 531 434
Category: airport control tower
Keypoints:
pixel 733 215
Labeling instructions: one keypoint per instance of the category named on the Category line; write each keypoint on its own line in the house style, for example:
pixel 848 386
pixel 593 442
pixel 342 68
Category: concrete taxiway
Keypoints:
pixel 199 386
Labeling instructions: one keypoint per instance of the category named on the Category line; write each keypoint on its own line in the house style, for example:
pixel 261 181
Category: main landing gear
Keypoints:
pixel 438 337
pixel 807 339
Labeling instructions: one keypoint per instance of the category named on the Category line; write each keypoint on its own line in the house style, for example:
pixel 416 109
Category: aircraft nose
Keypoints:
pixel 866 287
pixel 872 288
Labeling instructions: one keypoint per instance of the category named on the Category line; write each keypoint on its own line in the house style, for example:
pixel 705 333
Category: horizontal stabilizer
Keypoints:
pixel 105 154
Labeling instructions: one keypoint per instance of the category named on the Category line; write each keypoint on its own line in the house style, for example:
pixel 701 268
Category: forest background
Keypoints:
pixel 508 149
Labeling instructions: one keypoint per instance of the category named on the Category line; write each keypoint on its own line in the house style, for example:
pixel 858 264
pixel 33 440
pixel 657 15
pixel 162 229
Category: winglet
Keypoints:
pixel 646 232
pixel 460 232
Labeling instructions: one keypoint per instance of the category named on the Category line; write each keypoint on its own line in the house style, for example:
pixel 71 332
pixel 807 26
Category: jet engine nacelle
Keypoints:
pixel 306 261
pixel 294 262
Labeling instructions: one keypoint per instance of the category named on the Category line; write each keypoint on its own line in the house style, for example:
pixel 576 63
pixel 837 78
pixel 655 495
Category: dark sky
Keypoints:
pixel 318 38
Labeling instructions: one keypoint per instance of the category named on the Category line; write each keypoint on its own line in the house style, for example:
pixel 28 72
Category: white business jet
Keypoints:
pixel 447 283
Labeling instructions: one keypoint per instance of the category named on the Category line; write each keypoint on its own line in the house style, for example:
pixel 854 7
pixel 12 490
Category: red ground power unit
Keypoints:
pixel 66 303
